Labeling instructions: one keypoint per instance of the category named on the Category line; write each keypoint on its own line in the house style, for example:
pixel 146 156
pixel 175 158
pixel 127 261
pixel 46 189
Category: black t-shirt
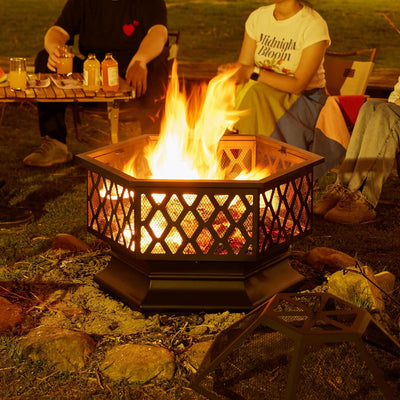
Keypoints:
pixel 111 26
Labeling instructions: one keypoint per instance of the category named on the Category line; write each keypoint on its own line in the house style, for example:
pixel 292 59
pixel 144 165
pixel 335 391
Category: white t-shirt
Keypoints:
pixel 280 43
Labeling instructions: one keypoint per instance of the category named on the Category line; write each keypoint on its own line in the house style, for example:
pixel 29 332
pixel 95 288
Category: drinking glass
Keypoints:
pixel 65 66
pixel 17 74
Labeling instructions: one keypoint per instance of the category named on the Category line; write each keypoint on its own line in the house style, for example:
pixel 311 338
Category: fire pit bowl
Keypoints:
pixel 200 244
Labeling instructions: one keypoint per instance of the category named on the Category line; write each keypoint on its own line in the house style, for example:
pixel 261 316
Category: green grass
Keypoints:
pixel 213 29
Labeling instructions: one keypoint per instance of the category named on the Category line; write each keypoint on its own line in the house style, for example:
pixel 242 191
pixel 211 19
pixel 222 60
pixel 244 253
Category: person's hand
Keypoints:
pixel 136 77
pixel 228 67
pixel 242 74
pixel 54 51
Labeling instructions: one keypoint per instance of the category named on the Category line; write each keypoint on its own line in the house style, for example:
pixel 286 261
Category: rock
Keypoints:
pixel 10 315
pixel 198 330
pixel 321 258
pixel 66 349
pixel 138 363
pixel 356 289
pixel 66 241
pixel 195 354
pixel 386 281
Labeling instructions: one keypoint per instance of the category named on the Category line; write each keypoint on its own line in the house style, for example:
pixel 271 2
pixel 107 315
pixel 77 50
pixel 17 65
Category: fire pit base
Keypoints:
pixel 176 291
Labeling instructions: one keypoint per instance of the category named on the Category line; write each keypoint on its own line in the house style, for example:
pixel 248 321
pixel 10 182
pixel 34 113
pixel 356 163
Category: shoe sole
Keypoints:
pixel 316 212
pixel 54 162
pixel 368 221
pixel 16 222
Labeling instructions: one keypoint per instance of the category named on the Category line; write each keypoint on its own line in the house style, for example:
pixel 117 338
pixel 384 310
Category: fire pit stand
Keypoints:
pixel 204 244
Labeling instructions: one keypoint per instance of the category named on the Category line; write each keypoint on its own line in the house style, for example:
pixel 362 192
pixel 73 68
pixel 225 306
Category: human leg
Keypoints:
pixel 51 115
pixel 53 149
pixel 369 161
pixel 372 150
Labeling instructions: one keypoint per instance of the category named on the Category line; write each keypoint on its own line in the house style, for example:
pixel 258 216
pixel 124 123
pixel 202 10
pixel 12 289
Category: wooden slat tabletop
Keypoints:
pixel 55 93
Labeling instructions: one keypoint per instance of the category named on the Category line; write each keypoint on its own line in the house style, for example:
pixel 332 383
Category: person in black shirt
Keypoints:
pixel 134 31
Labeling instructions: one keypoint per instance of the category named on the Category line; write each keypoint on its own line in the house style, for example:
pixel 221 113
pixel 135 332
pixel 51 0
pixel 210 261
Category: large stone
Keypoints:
pixel 357 288
pixel 386 281
pixel 10 315
pixel 68 350
pixel 138 363
pixel 65 241
pixel 321 258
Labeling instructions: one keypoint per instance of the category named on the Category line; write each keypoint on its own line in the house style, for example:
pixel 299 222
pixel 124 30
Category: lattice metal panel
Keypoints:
pixel 242 220
pixel 297 346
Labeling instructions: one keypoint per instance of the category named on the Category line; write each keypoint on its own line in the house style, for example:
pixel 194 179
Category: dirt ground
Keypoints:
pixel 24 254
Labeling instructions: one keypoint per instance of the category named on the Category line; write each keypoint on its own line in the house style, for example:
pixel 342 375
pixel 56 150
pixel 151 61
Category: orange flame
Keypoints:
pixel 191 130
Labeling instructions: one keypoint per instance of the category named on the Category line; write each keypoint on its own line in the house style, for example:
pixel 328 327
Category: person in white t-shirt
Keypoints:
pixel 281 78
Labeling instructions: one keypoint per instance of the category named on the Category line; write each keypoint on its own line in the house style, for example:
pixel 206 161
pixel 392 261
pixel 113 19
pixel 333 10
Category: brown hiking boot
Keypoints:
pixel 50 152
pixel 334 193
pixel 351 209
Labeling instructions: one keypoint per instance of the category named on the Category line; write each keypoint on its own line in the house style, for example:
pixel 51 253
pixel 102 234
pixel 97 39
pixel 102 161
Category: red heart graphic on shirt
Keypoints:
pixel 128 29
pixel 136 23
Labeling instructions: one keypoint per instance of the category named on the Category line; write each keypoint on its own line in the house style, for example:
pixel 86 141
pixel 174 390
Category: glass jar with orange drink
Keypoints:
pixel 65 66
pixel 17 73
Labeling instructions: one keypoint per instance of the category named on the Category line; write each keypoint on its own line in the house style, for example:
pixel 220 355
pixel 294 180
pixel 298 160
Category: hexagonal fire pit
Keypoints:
pixel 202 244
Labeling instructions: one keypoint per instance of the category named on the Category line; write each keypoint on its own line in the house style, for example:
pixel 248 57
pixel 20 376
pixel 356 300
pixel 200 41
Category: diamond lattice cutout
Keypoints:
pixel 145 240
pixel 158 249
pixel 174 207
pixel 237 240
pixel 221 224
pixel 205 240
pixel 158 224
pixel 189 224
pixel 237 208
pixel 173 240
pixel 205 208
pixel 145 208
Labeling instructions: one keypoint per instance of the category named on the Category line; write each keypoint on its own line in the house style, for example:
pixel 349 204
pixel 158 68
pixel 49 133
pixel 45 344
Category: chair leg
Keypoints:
pixel 398 163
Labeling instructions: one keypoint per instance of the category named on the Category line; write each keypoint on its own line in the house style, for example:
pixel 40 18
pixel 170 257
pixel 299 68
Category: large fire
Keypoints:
pixel 187 149
pixel 190 133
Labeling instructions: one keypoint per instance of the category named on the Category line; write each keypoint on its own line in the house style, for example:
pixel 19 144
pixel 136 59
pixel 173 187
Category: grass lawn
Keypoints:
pixel 213 29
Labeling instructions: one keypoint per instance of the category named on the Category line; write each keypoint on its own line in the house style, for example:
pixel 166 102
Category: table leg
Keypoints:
pixel 113 117
pixel 3 108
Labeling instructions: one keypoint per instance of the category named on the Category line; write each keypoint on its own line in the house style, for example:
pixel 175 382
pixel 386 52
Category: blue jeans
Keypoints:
pixel 371 153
